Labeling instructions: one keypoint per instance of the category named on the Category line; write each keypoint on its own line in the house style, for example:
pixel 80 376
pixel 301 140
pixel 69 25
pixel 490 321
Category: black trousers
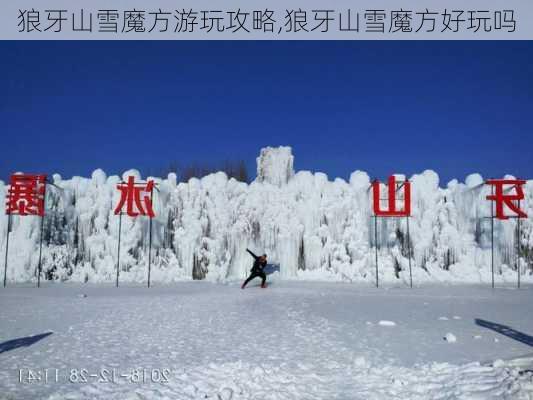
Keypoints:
pixel 256 274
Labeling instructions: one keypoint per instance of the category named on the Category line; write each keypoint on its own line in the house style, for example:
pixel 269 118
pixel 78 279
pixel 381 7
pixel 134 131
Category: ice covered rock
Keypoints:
pixel 56 178
pixel 99 177
pixel 473 180
pixel 360 180
pixel 275 165
pixel 131 172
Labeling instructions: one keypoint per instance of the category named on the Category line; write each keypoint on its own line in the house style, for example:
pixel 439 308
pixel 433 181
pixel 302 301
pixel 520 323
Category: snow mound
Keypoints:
pixel 360 362
pixel 387 323
pixel 450 338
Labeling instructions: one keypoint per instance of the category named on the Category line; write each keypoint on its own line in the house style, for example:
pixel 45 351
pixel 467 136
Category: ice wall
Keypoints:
pixel 275 165
pixel 312 227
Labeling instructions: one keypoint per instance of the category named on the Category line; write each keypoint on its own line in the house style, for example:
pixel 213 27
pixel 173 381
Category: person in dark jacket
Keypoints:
pixel 257 270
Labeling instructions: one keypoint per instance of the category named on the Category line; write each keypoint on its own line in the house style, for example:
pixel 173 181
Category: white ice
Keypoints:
pixel 312 228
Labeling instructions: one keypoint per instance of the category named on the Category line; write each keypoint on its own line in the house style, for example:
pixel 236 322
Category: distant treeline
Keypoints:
pixel 232 168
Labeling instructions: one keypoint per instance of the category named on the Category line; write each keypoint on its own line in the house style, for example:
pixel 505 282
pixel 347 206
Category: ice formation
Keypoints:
pixel 313 228
pixel 275 165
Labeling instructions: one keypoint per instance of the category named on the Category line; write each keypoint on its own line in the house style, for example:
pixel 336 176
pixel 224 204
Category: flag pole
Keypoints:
pixel 40 253
pixel 118 247
pixel 492 236
pixel 376 245
pixel 150 241
pixel 7 247
pixel 518 247
pixel 409 251
pixel 39 267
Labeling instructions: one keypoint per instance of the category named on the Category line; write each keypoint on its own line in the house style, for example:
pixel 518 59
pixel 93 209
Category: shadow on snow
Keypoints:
pixel 507 331
pixel 22 342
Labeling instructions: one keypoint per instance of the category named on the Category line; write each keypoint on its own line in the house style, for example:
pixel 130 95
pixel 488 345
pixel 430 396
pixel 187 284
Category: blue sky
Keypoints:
pixel 383 107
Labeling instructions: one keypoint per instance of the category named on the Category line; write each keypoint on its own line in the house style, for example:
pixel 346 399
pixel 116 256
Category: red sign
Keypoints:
pixel 502 198
pixel 130 194
pixel 392 208
pixel 26 195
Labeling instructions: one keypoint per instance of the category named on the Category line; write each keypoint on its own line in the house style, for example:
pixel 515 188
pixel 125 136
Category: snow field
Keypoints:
pixel 294 340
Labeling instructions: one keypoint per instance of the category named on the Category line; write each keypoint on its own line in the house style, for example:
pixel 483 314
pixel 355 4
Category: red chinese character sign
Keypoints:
pixel 26 196
pixel 507 194
pixel 137 197
pixel 130 195
pixel 506 199
pixel 394 190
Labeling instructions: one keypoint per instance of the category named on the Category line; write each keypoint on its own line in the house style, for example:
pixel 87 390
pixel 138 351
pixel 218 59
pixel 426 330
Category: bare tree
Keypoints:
pixel 233 169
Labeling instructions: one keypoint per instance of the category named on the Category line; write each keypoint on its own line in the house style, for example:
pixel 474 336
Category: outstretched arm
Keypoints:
pixel 252 254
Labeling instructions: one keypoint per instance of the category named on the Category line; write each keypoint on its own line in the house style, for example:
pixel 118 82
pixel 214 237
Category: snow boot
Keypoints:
pixel 242 286
pixel 263 286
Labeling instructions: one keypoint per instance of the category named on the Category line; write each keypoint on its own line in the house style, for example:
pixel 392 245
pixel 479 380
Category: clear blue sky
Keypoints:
pixel 455 107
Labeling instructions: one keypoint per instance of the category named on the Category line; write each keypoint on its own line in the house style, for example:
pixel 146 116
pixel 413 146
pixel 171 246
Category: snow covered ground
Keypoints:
pixel 293 340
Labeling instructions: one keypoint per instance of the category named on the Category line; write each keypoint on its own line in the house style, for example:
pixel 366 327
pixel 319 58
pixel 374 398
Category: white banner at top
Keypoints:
pixel 266 20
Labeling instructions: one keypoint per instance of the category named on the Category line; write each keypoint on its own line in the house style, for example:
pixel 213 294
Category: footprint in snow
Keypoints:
pixel 225 394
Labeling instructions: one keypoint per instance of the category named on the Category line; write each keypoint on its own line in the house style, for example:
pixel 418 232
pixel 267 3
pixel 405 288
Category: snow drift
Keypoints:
pixel 312 227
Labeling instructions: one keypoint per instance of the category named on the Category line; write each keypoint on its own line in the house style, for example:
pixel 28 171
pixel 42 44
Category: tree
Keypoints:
pixel 232 168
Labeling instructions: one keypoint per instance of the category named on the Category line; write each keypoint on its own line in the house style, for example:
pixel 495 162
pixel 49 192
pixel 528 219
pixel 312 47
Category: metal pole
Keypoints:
pixel 7 247
pixel 409 252
pixel 376 245
pixel 150 242
pixel 40 253
pixel 41 240
pixel 518 246
pixel 492 236
pixel 118 249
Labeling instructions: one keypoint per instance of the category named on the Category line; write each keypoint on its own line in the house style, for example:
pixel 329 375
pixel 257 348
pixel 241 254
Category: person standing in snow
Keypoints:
pixel 257 270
